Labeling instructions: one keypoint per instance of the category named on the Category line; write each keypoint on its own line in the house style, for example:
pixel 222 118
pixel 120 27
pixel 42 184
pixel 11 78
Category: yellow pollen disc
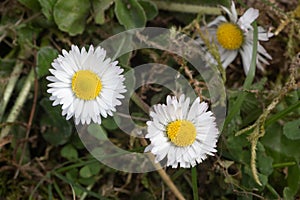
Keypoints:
pixel 86 84
pixel 230 36
pixel 181 132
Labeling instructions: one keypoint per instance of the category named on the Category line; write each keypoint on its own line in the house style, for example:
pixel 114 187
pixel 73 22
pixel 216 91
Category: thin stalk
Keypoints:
pixel 286 164
pixel 187 8
pixel 18 104
pixel 194 182
pixel 282 113
pixel 249 79
pixel 272 190
pixel 140 103
pixel 165 177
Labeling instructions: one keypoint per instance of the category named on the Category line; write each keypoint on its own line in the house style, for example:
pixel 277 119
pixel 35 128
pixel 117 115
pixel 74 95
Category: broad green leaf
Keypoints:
pixel 276 141
pixel 90 170
pixel 293 181
pixel 288 193
pixel 150 9
pixel 292 130
pixel 292 97
pixel 85 172
pixel 130 13
pixel 70 15
pixel 47 8
pixel 72 174
pixel 87 181
pixel 57 129
pixel 45 56
pixel 69 152
pixel 32 4
pixel 249 182
pixel 239 148
pixel 99 7
pixel 26 35
pixel 125 58
pixel 264 162
pixel 97 131
pixel 110 124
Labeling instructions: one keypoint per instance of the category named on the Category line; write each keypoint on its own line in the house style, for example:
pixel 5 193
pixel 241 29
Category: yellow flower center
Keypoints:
pixel 181 132
pixel 230 36
pixel 86 84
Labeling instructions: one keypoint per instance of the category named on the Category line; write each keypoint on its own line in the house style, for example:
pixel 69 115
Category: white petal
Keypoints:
pixel 248 17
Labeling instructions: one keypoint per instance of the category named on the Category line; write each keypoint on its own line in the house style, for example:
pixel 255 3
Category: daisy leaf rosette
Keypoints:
pixel 184 135
pixel 234 36
pixel 86 83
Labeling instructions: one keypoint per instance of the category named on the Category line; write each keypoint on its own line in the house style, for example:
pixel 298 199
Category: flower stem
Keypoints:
pixel 249 79
pixel 165 177
pixel 286 164
pixel 19 103
pixel 187 8
pixel 194 182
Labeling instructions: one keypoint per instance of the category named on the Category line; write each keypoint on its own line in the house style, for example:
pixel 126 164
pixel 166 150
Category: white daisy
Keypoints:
pixel 236 35
pixel 86 84
pixel 182 134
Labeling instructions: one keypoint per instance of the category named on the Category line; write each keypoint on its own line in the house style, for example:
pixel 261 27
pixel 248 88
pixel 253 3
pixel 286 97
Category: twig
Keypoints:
pixel 28 128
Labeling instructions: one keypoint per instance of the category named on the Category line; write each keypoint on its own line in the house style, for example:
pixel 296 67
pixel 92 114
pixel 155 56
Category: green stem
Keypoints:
pixel 75 184
pixel 19 103
pixel 282 113
pixel 57 189
pixel 136 99
pixel 273 191
pixel 286 164
pixel 187 8
pixel 249 79
pixel 194 182
pixel 10 86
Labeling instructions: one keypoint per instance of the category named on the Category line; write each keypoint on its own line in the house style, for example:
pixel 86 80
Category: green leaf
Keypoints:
pixel 276 141
pixel 44 58
pixel 264 162
pixel 125 58
pixel 47 8
pixel 90 170
pixel 288 194
pixel 70 15
pixel 26 35
pixel 293 181
pixel 110 124
pixel 69 152
pixel 130 14
pixel 85 172
pixel 97 131
pixel 292 130
pixel 57 129
pixel 32 4
pixel 99 7
pixel 150 9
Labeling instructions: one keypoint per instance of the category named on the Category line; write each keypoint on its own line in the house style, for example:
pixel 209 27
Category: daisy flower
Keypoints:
pixel 86 84
pixel 181 133
pixel 235 36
